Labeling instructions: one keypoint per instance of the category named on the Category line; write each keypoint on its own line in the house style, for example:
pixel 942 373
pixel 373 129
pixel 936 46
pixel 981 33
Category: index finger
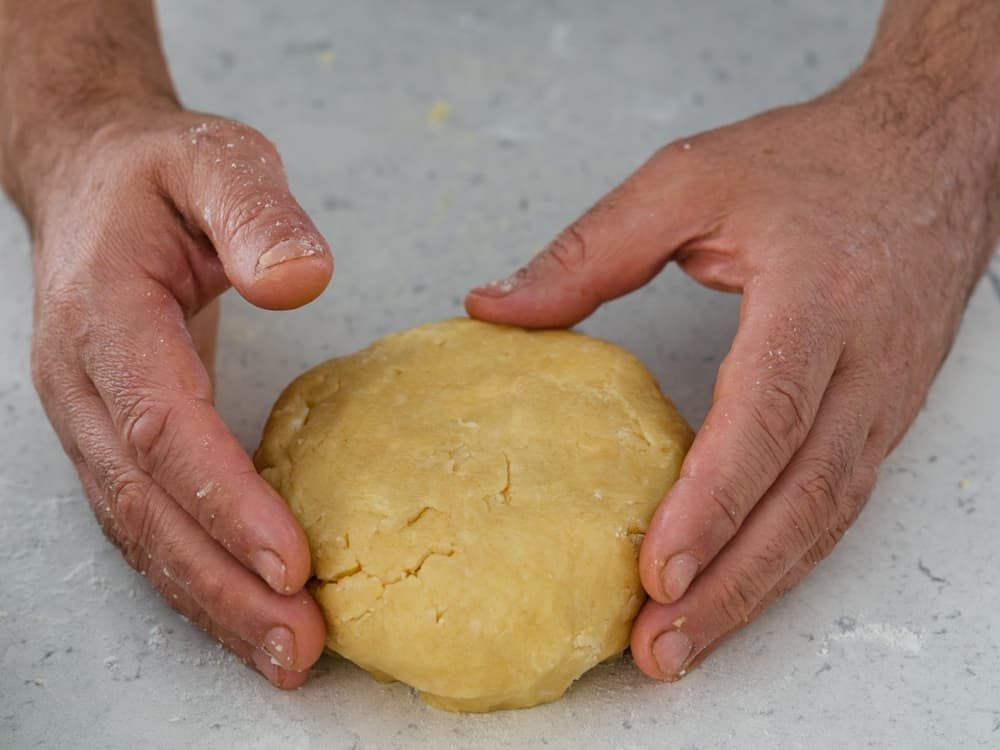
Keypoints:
pixel 159 396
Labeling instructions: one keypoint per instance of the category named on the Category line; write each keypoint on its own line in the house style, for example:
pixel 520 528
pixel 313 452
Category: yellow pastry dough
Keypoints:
pixel 474 497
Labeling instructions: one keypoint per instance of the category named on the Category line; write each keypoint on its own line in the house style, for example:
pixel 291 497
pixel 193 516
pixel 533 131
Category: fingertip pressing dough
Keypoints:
pixel 474 497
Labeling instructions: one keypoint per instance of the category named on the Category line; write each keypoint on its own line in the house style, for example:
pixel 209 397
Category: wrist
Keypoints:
pixel 43 158
pixel 942 139
pixel 931 78
pixel 68 70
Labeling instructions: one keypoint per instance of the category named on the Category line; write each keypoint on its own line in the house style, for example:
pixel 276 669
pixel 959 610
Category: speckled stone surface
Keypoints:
pixel 892 642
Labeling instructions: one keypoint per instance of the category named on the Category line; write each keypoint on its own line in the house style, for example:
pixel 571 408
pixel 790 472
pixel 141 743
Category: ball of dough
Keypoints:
pixel 474 497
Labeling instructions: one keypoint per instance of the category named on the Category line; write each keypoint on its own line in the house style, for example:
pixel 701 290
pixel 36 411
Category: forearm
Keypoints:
pixel 938 64
pixel 67 67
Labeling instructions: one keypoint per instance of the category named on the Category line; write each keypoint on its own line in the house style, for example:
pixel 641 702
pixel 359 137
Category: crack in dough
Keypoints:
pixel 413 572
pixel 505 491
pixel 384 584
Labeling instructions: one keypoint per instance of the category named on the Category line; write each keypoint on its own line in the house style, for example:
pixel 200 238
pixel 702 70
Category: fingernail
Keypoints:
pixel 285 251
pixel 264 662
pixel 672 650
pixel 269 566
pixel 268 666
pixel 677 575
pixel 502 287
pixel 279 643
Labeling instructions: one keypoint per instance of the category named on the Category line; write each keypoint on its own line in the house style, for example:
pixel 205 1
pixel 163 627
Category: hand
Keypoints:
pixel 136 235
pixel 855 233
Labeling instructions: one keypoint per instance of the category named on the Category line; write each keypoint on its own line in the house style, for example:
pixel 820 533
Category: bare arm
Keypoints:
pixel 934 69
pixel 69 68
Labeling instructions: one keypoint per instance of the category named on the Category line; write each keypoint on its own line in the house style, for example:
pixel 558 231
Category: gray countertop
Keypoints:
pixel 892 642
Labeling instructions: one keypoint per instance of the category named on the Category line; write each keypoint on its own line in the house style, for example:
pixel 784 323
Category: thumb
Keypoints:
pixel 614 248
pixel 238 195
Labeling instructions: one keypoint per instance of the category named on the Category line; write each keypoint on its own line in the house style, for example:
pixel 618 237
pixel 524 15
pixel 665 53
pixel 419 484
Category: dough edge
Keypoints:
pixel 275 454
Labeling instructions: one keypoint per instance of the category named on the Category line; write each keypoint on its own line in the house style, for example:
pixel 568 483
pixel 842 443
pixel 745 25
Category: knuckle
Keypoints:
pixel 115 533
pixel 824 545
pixel 569 250
pixel 145 426
pixel 240 132
pixel 845 514
pixel 215 135
pixel 247 209
pixel 815 499
pixel 115 530
pixel 782 412
pixel 864 478
pixel 855 499
pixel 133 553
pixel 211 590
pixel 133 507
pixel 675 149
pixel 244 168
pixel 728 500
pixel 686 158
pixel 202 619
pixel 740 593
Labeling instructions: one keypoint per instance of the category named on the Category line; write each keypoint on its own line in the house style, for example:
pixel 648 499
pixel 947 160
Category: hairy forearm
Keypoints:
pixel 942 64
pixel 68 67
pixel 941 32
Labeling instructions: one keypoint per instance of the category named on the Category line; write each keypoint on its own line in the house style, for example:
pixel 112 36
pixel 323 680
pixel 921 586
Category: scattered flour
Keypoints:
pixel 896 637
pixel 156 637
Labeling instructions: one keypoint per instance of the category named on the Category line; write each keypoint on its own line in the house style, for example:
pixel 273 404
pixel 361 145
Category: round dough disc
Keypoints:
pixel 474 497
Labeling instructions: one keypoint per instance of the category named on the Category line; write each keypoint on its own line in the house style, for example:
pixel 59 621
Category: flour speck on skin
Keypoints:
pixel 503 286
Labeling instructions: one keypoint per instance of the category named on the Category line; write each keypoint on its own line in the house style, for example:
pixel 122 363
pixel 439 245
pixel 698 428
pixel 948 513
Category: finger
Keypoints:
pixel 615 247
pixel 177 597
pixel 251 654
pixel 237 194
pixel 861 487
pixel 159 398
pixel 766 397
pixel 160 539
pixel 862 483
pixel 816 494
pixel 183 603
